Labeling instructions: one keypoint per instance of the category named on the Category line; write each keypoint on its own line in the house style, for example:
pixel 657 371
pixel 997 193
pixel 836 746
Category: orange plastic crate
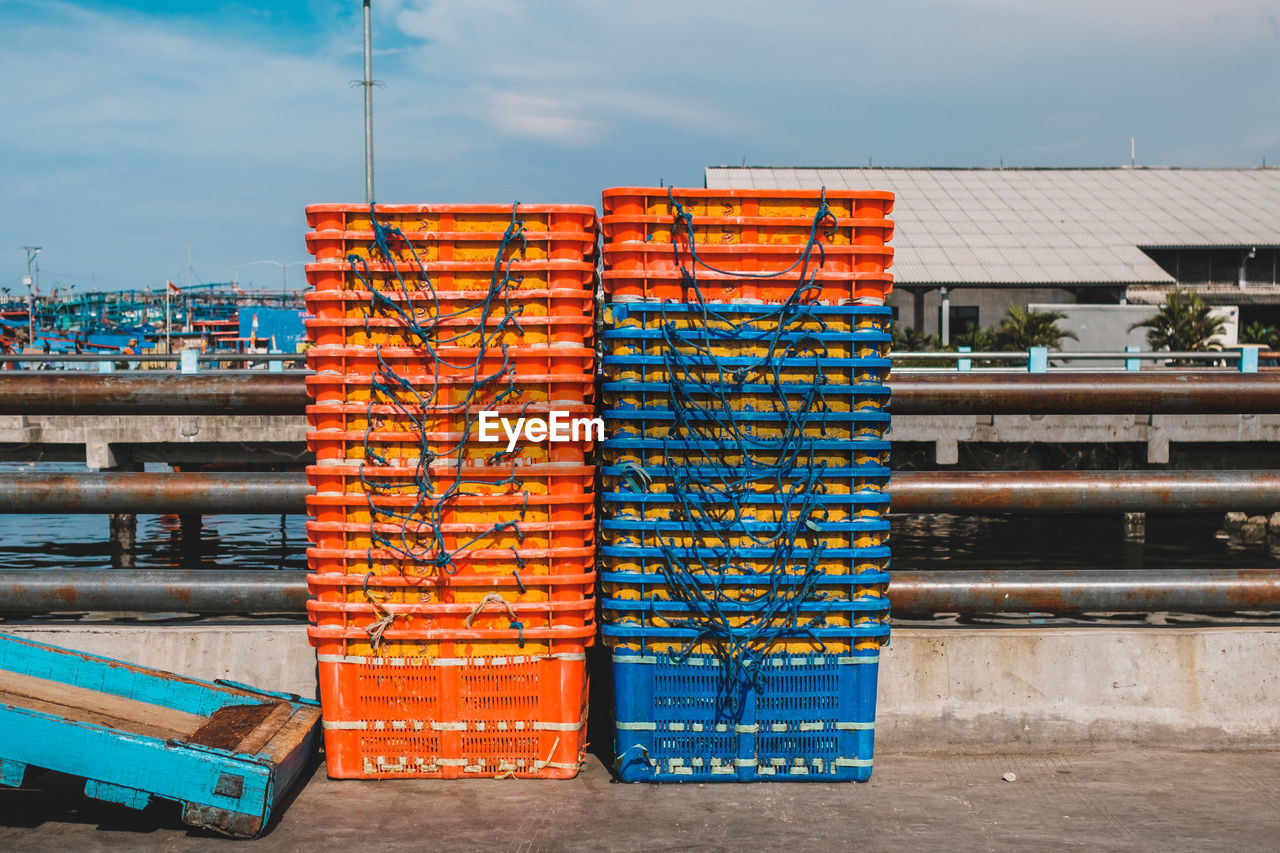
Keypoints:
pixel 453 217
pixel 519 713
pixel 494 618
pixel 477 277
pixel 451 308
pixel 474 562
pixel 470 280
pixel 415 538
pixel 422 364
pixel 843 204
pixel 499 330
pixel 446 417
pixel 831 288
pixel 477 480
pixel 453 394
pixel 744 258
pixel 446 246
pixel 443 588
pixel 378 444
pixel 742 230
pixel 459 508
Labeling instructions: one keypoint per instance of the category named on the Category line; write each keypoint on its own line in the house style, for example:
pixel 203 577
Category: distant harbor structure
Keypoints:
pixel 216 317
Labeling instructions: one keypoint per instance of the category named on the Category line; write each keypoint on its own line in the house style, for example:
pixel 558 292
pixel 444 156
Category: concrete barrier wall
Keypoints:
pixel 940 688
pixel 1033 688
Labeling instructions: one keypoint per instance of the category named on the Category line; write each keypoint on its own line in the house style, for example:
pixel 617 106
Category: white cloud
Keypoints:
pixel 1144 21
pixel 127 138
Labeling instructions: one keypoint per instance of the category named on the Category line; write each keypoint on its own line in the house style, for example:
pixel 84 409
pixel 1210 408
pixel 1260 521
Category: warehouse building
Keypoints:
pixel 976 241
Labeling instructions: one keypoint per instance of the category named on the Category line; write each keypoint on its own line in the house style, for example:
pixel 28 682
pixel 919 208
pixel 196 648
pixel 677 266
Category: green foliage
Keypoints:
pixel 1259 333
pixel 1183 324
pixel 1021 330
pixel 976 338
pixel 906 339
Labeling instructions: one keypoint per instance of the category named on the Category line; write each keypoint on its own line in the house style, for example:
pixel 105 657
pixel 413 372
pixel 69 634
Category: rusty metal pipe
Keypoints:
pixel 156 493
pixel 158 591
pixel 980 492
pixel 1145 392
pixel 965 492
pixel 913 594
pixel 922 594
pixel 47 392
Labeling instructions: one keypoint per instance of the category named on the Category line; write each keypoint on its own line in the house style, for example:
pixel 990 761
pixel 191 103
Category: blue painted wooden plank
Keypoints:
pixel 170 770
pixel 218 788
pixel 115 677
pixel 131 797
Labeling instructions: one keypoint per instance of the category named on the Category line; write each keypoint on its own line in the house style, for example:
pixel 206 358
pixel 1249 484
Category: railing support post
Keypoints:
pixel 1249 357
pixel 1132 363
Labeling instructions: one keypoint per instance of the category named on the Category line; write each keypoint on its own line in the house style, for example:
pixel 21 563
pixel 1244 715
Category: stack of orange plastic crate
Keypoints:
pixel 452 579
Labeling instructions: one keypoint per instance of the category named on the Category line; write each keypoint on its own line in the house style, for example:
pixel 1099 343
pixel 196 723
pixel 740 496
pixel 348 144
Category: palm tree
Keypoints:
pixel 907 339
pixel 976 338
pixel 1021 330
pixel 1259 333
pixel 1183 324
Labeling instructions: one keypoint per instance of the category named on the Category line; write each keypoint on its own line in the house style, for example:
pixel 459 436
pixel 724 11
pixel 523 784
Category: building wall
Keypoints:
pixel 1218 266
pixel 992 303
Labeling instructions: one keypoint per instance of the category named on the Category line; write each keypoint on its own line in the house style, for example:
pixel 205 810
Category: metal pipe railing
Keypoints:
pixel 1088 355
pixel 913 594
pixel 923 594
pixel 1182 392
pixel 173 357
pixel 1228 355
pixel 209 592
pixel 41 392
pixel 156 493
pixel 966 492
pixel 982 492
pixel 258 393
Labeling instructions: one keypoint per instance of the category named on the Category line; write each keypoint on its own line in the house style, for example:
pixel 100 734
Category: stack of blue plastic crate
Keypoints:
pixel 745 541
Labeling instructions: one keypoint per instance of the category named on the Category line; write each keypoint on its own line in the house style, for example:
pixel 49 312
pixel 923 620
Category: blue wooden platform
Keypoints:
pixel 226 752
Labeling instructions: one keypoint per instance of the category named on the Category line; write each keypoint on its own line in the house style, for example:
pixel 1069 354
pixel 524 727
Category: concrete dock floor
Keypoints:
pixel 1112 800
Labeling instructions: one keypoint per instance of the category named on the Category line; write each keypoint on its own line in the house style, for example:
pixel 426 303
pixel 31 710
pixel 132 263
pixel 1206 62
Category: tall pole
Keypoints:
pixel 31 284
pixel 368 107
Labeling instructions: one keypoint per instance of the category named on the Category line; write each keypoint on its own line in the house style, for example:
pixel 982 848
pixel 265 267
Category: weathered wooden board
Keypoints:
pixel 226 753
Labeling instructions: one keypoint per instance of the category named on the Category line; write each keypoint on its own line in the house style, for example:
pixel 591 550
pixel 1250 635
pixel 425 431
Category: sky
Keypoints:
pixel 152 141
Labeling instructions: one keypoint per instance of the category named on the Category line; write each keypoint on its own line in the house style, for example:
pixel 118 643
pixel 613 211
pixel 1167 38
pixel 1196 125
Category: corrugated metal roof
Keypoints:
pixel 1048 226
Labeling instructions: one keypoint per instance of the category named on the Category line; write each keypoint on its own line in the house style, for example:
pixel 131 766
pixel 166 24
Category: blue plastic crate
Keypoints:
pixel 807 532
pixel 632 341
pixel 859 372
pixel 661 505
pixel 632 552
pixel 642 580
pixel 812 451
pixel 747 396
pixel 754 429
pixel 652 559
pixel 619 313
pixel 649 612
pixel 613 364
pixel 641 477
pixel 812 718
